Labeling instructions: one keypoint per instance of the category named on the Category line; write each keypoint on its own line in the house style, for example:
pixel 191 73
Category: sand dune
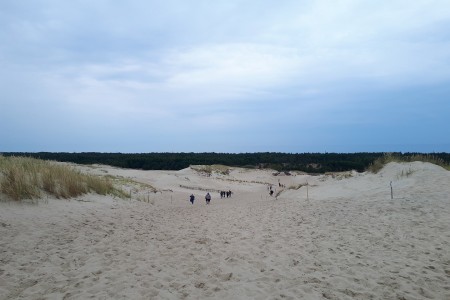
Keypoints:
pixel 347 240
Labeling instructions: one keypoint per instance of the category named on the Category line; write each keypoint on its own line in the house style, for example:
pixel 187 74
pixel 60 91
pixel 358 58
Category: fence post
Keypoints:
pixel 392 192
pixel 307 190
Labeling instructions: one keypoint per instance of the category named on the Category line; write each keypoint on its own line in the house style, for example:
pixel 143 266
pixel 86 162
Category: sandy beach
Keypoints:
pixel 340 237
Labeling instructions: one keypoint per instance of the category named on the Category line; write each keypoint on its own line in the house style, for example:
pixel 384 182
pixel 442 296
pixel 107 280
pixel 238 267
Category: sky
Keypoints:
pixel 227 76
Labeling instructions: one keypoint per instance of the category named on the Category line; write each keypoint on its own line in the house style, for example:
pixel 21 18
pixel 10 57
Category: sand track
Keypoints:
pixel 349 240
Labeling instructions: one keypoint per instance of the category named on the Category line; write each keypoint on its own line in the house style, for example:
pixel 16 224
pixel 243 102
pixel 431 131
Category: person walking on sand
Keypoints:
pixel 192 198
pixel 208 198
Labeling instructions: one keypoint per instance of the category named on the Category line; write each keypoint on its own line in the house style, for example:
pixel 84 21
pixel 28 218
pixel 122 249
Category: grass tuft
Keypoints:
pixel 26 178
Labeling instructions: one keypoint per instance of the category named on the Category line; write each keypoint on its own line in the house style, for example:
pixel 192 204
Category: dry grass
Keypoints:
pixel 296 187
pixel 209 169
pixel 27 178
pixel 379 163
pixel 340 175
pixel 405 173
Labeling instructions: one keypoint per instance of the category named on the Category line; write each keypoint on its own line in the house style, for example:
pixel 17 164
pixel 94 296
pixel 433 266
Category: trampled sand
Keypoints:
pixel 342 237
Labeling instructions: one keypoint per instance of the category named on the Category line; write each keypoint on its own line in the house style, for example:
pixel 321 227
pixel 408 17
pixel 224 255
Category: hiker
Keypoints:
pixel 208 198
pixel 192 198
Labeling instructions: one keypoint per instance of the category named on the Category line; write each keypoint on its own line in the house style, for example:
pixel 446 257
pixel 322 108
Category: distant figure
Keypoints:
pixel 192 198
pixel 208 198
pixel 271 192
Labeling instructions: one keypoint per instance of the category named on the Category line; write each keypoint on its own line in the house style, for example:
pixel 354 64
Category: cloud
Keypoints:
pixel 233 68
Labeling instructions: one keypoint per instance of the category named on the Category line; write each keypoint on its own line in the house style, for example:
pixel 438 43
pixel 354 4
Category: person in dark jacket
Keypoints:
pixel 192 198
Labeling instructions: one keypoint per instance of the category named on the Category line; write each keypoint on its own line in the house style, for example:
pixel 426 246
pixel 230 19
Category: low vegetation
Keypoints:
pixel 380 162
pixel 297 186
pixel 339 175
pixel 405 173
pixel 28 178
pixel 208 170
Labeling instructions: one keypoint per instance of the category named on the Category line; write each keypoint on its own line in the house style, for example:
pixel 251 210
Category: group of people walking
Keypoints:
pixel 223 194
pixel 207 198
pixel 227 194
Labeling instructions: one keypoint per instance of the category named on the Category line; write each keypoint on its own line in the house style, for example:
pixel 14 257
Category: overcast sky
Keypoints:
pixel 225 76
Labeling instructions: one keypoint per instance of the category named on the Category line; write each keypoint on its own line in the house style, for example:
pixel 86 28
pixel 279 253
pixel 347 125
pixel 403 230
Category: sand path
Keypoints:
pixel 348 241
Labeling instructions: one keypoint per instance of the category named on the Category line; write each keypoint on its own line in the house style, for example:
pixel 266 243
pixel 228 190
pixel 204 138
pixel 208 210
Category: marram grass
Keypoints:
pixel 28 178
pixel 380 162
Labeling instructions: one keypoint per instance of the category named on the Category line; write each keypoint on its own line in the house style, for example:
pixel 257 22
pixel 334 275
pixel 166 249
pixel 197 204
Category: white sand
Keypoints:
pixel 348 241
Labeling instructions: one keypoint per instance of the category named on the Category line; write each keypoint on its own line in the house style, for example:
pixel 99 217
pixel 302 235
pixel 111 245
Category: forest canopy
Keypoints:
pixel 306 162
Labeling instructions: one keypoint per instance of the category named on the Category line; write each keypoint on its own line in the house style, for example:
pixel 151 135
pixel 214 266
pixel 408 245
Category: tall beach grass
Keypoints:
pixel 28 178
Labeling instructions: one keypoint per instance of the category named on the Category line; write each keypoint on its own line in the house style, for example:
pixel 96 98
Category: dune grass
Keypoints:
pixel 379 163
pixel 209 169
pixel 27 178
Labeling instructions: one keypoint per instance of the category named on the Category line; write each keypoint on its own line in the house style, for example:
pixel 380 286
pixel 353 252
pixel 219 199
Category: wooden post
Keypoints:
pixel 307 191
pixel 392 192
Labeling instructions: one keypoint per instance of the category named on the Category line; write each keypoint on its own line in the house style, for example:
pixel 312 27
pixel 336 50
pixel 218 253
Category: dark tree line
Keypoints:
pixel 307 162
